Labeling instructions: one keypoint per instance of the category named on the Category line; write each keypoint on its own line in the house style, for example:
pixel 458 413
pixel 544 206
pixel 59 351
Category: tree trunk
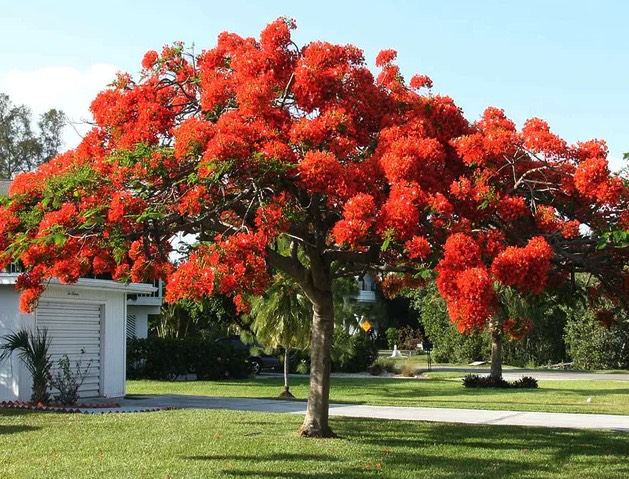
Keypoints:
pixel 286 394
pixel 316 420
pixel 496 350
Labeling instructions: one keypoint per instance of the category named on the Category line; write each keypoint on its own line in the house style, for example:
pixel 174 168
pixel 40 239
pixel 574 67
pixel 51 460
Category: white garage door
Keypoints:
pixel 75 330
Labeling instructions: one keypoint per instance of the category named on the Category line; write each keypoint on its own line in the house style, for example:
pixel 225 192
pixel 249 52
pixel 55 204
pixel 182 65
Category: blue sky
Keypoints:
pixel 564 61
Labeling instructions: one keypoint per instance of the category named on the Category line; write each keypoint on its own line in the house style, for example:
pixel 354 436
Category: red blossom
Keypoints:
pixel 385 57
pixel 526 268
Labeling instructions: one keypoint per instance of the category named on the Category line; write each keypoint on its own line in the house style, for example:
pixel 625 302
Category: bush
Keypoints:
pixel 476 381
pixel 408 370
pixel 591 345
pixel 352 353
pixel 381 366
pixel 67 381
pixel 392 335
pixel 170 358
pixel 525 382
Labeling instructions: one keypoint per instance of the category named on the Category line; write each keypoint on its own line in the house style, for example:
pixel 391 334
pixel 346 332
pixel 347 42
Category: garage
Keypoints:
pixel 89 315
pixel 75 329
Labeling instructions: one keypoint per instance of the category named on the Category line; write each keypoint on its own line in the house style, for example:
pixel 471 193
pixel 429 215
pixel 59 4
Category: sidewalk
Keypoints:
pixel 463 416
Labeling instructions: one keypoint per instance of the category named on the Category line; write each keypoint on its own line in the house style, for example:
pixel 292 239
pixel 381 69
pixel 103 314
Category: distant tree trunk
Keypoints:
pixel 496 349
pixel 316 420
pixel 286 394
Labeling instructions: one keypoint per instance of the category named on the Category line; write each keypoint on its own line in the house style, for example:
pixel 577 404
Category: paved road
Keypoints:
pixel 540 374
pixel 465 416
pixel 509 374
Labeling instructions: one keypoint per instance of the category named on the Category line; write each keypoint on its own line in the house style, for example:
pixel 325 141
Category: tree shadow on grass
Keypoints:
pixel 265 457
pixel 369 448
pixel 561 446
pixel 4 430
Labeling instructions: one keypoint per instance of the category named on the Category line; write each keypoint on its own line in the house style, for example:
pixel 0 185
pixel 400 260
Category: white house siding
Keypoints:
pixel 139 316
pixel 15 382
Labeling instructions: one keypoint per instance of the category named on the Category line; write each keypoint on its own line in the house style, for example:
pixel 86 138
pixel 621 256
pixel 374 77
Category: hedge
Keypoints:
pixel 170 359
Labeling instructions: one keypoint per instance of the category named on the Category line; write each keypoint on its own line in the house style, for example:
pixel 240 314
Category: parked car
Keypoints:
pixel 258 361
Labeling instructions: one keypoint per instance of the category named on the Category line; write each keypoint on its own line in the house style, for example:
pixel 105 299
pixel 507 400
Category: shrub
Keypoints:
pixel 476 381
pixel 392 335
pixel 591 345
pixel 525 382
pixel 381 366
pixel 408 370
pixel 32 348
pixel 170 358
pixel 352 353
pixel 409 338
pixel 67 381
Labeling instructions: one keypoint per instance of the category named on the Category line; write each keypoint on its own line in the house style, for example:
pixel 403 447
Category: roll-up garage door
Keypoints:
pixel 75 330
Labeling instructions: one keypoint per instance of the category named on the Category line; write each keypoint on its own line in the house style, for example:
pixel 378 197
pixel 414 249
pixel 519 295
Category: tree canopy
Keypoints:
pixel 257 140
pixel 21 147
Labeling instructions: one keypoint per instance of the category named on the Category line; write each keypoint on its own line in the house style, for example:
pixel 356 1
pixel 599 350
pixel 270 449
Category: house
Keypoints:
pixel 366 289
pixel 140 307
pixel 86 320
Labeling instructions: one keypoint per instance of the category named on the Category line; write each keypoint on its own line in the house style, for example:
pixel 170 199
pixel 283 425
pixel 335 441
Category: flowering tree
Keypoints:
pixel 256 142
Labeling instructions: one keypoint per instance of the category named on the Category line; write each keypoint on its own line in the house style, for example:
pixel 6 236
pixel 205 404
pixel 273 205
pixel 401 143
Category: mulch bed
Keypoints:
pixel 81 408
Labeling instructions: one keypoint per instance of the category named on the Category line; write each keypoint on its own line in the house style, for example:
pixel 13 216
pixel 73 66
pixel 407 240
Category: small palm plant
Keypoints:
pixel 281 319
pixel 32 349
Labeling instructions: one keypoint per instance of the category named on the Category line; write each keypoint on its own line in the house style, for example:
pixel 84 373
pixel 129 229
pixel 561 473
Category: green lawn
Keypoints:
pixel 228 444
pixel 608 397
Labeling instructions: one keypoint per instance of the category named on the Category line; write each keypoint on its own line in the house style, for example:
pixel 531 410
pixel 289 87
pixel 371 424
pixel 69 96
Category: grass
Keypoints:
pixel 441 390
pixel 228 444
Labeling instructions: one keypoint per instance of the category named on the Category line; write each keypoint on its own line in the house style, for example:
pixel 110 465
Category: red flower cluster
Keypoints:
pixel 592 179
pixel 359 216
pixel 526 268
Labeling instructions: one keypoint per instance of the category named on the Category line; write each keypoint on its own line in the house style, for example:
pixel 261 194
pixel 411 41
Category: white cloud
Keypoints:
pixel 61 87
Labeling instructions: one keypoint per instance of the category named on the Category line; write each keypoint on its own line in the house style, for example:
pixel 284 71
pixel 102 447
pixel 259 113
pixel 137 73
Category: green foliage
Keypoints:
pixel 352 353
pixel 544 342
pixel 68 381
pixel 282 317
pixel 32 348
pixel 392 335
pixel 170 358
pixel 208 319
pixel 345 309
pixel 22 148
pixel 590 345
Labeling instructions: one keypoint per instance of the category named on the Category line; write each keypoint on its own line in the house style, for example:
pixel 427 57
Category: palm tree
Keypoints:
pixel 282 318
pixel 32 349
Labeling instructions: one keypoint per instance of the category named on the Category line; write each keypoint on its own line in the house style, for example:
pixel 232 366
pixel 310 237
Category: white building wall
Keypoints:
pixel 15 381
pixel 141 314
